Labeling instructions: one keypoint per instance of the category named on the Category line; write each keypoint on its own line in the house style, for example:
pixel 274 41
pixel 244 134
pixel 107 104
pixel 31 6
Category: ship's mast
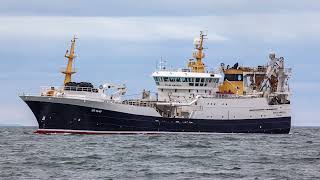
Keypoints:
pixel 70 55
pixel 198 65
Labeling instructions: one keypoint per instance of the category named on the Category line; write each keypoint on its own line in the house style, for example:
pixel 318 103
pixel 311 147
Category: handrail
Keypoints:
pixel 232 96
pixel 45 89
pixel 75 88
pixel 137 103
pixel 179 103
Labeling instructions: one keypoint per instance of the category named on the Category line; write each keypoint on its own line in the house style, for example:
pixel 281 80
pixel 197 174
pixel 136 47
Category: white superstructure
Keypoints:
pixel 184 85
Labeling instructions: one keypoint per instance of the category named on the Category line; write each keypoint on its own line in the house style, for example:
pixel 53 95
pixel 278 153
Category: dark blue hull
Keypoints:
pixel 56 116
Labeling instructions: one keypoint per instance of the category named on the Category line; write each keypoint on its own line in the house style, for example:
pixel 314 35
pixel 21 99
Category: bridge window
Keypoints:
pixel 233 77
pixel 172 79
pixel 165 79
pixel 190 79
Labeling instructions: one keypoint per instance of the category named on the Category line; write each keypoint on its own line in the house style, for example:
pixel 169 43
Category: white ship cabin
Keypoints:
pixel 184 85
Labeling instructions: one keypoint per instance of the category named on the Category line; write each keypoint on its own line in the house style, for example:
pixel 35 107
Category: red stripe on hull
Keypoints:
pixel 40 131
pixel 62 131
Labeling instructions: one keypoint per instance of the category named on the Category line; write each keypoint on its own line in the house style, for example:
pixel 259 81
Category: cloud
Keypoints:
pixel 263 27
pixel 154 8
pixel 305 103
pixel 306 117
pixel 127 29
pixel 304 87
pixel 17 115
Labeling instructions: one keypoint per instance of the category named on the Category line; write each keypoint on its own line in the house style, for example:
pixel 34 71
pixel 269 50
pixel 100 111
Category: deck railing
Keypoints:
pixel 75 88
pixel 138 103
pixel 52 89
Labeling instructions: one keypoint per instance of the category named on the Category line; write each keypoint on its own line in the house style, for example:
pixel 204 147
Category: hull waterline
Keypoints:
pixel 75 119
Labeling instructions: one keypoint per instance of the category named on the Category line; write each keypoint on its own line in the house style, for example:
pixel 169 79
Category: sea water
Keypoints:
pixel 24 155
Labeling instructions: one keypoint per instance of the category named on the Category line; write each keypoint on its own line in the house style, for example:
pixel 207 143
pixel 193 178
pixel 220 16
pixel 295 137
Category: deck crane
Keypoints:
pixel 118 90
pixel 275 68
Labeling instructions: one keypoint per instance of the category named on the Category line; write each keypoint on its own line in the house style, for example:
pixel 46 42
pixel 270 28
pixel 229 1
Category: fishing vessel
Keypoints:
pixel 231 99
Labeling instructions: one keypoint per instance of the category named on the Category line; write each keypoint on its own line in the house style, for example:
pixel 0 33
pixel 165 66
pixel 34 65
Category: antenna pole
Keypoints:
pixel 70 56
pixel 198 65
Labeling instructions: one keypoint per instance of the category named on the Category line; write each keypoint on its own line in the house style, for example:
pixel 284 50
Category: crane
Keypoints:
pixel 275 68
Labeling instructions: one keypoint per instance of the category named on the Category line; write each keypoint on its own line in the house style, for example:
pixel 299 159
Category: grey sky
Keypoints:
pixel 153 8
pixel 121 41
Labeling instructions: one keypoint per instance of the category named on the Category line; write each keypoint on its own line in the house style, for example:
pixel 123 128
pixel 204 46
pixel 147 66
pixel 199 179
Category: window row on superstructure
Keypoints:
pixel 186 79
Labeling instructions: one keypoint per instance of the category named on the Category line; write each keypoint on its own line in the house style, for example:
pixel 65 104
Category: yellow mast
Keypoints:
pixel 69 70
pixel 198 65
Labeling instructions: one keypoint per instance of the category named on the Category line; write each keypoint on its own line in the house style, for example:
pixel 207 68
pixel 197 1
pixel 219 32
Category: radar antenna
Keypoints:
pixel 197 65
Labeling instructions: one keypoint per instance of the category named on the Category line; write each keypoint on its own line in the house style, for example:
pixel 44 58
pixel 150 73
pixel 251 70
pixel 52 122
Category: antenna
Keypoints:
pixel 197 65
pixel 70 55
pixel 162 64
